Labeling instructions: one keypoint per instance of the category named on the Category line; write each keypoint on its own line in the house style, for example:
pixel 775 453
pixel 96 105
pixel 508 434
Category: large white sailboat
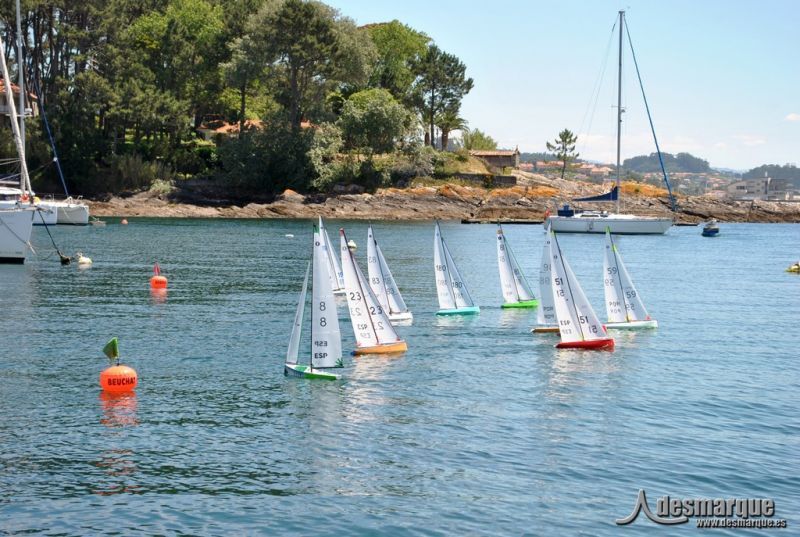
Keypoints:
pixel 325 336
pixel 383 285
pixel 568 220
pixel 16 206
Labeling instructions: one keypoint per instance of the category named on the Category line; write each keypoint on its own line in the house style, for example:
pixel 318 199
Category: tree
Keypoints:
pixel 449 121
pixel 478 140
pixel 398 47
pixel 441 84
pixel 373 120
pixel 301 43
pixel 564 148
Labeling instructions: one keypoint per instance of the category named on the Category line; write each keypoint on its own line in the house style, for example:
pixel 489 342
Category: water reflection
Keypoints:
pixel 158 296
pixel 119 410
pixel 119 469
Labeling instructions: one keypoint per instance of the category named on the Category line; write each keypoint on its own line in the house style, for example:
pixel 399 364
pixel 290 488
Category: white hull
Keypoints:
pixel 620 224
pixel 633 325
pixel 15 234
pixel 45 215
pixel 70 213
pixel 405 318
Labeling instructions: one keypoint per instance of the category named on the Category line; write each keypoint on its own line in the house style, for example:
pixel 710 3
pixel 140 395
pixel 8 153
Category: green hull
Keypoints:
pixel 471 310
pixel 305 372
pixel 522 304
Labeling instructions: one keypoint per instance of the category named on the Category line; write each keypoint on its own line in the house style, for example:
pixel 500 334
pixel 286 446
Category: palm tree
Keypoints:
pixel 449 121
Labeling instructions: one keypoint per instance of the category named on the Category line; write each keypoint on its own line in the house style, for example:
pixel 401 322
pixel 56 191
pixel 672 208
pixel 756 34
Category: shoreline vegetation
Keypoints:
pixel 288 108
pixel 442 200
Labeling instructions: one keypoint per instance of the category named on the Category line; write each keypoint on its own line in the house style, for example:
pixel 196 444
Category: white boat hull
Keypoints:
pixel 633 325
pixel 619 224
pixel 15 233
pixel 405 318
pixel 45 215
pixel 70 213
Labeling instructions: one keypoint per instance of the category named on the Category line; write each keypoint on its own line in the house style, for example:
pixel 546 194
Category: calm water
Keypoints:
pixel 479 428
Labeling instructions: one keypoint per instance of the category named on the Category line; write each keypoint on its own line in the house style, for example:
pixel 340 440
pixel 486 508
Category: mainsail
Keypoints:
pixel 326 339
pixel 546 316
pixel 452 290
pixel 577 321
pixel 513 282
pixel 336 275
pixel 381 280
pixel 371 325
pixel 623 303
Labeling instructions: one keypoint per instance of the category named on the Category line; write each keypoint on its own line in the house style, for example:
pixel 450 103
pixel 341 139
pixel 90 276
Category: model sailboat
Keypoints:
pixel 546 315
pixel 373 330
pixel 383 285
pixel 332 261
pixel 326 340
pixel 577 322
pixel 454 298
pixel 516 289
pixel 623 304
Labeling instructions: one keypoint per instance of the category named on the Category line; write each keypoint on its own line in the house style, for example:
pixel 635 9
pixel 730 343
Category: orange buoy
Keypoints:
pixel 158 281
pixel 118 379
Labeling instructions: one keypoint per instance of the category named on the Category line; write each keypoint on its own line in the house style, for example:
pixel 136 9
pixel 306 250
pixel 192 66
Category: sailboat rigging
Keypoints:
pixel 572 221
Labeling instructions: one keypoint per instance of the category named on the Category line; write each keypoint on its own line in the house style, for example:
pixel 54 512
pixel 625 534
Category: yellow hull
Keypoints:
pixel 386 348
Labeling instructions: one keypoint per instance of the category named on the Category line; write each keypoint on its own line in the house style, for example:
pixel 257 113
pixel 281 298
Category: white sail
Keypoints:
pixel 381 280
pixel 577 321
pixel 513 282
pixel 546 315
pixel 623 303
pixel 335 270
pixel 326 339
pixel 460 292
pixel 507 281
pixel 376 282
pixel 444 289
pixel 294 339
pixel 371 324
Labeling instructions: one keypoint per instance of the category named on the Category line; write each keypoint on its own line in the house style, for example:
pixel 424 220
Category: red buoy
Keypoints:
pixel 118 379
pixel 158 281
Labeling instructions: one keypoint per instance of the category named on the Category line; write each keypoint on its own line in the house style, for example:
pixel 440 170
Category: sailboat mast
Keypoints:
pixel 20 63
pixel 619 106
pixel 23 167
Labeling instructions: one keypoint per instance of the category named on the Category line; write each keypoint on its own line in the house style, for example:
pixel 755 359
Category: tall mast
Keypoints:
pixel 21 74
pixel 23 167
pixel 619 104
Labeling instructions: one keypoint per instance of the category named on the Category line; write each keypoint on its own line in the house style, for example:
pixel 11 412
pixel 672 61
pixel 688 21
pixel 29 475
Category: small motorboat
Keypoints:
pixel 711 229
pixel 794 268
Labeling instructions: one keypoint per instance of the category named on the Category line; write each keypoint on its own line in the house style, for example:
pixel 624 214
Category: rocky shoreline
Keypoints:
pixel 447 201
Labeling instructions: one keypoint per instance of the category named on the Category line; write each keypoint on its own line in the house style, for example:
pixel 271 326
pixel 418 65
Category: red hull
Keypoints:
pixel 594 344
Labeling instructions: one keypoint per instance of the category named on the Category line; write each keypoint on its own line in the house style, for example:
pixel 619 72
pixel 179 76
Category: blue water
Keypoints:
pixel 480 428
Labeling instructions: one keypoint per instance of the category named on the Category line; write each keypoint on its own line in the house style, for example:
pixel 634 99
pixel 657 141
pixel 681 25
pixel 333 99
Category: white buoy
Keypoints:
pixel 289 236
pixel 83 261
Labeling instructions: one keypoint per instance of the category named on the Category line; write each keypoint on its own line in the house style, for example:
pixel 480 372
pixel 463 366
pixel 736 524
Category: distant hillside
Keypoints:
pixel 536 157
pixel 787 174
pixel 680 163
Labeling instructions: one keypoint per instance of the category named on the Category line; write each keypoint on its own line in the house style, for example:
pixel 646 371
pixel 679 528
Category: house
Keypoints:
pixel 498 158
pixel 32 105
pixel 214 128
pixel 749 189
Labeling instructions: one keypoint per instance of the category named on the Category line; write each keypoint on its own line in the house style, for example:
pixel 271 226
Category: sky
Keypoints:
pixel 722 77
